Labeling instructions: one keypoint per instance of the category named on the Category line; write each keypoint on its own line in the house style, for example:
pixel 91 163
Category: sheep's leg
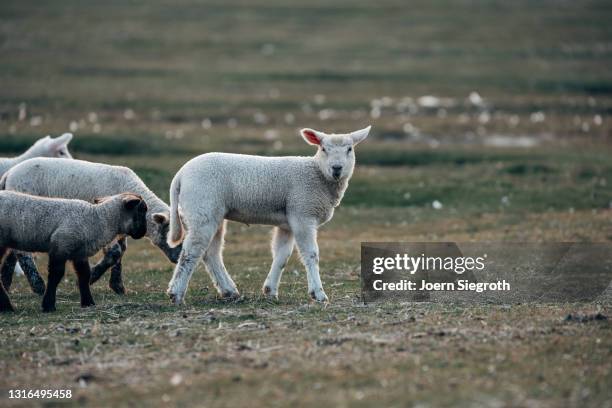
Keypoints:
pixel 83 271
pixel 195 244
pixel 7 270
pixel 26 261
pixel 282 247
pixel 213 260
pixel 116 280
pixel 112 255
pixel 57 268
pixel 5 301
pixel 306 239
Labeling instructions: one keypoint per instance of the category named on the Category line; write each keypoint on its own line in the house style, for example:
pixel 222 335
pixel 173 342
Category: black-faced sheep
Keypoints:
pixel 68 230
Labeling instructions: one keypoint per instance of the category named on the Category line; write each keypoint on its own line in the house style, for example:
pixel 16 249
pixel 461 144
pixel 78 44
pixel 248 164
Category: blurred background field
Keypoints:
pixel 491 121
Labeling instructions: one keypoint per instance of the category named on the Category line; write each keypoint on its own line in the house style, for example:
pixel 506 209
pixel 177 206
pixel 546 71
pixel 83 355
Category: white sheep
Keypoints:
pixel 294 194
pixel 83 180
pixel 45 147
pixel 68 230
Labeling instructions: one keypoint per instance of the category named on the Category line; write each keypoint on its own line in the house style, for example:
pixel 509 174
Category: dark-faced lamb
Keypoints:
pixel 68 230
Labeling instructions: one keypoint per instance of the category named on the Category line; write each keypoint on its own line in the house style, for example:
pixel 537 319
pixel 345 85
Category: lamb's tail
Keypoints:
pixel 176 232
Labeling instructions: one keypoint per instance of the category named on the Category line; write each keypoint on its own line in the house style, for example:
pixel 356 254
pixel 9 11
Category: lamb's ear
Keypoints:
pixel 62 140
pixel 43 140
pixel 100 200
pixel 130 202
pixel 360 135
pixel 312 136
pixel 161 218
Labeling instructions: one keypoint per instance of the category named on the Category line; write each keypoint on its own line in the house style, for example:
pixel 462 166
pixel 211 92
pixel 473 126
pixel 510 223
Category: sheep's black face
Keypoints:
pixel 137 213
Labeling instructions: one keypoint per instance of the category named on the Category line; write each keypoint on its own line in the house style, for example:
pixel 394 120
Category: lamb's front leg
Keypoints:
pixel 83 271
pixel 306 239
pixel 282 247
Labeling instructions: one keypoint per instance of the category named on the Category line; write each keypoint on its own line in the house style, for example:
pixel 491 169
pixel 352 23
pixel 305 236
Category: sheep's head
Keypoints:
pixel 336 154
pixel 134 215
pixel 159 224
pixel 52 147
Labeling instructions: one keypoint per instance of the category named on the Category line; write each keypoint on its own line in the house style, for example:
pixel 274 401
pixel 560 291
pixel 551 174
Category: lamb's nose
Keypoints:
pixel 336 170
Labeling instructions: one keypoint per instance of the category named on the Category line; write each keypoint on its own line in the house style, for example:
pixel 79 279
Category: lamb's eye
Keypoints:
pixel 323 149
pixel 61 153
pixel 350 149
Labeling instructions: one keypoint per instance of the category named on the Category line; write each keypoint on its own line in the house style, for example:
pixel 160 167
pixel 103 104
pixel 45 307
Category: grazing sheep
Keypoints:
pixel 68 230
pixel 45 147
pixel 295 194
pixel 84 180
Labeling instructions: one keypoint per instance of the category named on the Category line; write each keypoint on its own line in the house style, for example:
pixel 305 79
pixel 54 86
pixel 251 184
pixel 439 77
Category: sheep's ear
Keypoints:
pixel 61 141
pixel 161 218
pixel 360 135
pixel 312 136
pixel 131 202
pixel 43 140
pixel 100 200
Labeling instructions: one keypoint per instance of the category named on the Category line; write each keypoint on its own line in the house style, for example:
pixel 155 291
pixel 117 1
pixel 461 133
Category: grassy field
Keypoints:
pixel 500 111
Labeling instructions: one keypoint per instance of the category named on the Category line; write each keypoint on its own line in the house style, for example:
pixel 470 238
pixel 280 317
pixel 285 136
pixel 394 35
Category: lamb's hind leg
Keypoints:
pixel 213 260
pixel 282 247
pixel 7 270
pixel 57 267
pixel 194 246
pixel 5 301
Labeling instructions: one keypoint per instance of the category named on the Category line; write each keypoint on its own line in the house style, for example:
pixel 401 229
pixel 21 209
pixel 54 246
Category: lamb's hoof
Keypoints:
pixel 48 308
pixel 318 296
pixel 7 307
pixel 117 287
pixel 88 303
pixel 174 298
pixel 230 295
pixel 267 292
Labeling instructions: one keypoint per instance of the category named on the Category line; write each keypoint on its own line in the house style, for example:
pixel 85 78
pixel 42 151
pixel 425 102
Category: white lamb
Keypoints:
pixel 45 147
pixel 295 194
pixel 83 180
